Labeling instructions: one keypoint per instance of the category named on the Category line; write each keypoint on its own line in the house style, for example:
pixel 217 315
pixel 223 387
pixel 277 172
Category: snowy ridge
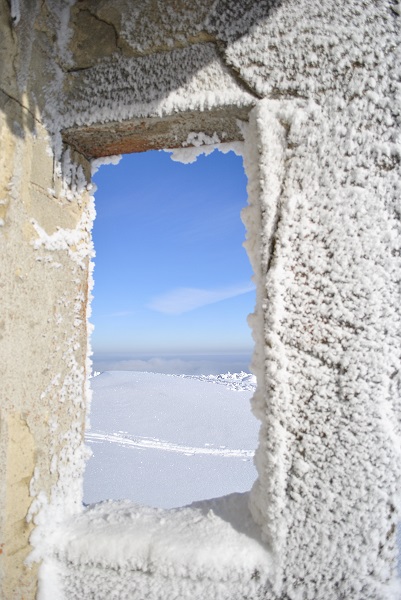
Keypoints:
pixel 234 381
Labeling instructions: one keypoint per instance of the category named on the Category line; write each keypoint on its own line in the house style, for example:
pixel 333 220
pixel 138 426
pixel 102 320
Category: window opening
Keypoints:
pixel 172 292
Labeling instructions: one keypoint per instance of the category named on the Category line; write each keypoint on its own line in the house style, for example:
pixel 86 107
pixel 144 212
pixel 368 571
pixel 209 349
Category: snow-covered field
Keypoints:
pixel 165 440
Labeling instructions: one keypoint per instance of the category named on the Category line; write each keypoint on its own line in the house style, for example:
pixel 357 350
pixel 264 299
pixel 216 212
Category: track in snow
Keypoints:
pixel 155 444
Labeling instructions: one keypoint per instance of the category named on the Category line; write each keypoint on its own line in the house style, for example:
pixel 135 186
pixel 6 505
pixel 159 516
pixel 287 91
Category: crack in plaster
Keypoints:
pixel 110 24
pixel 21 105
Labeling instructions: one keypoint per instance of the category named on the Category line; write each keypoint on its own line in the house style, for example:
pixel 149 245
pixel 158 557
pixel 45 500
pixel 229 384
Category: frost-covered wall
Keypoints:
pixel 313 88
pixel 45 221
pixel 329 443
pixel 327 496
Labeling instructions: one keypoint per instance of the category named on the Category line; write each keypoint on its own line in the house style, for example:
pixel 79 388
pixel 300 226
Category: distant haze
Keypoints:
pixel 186 364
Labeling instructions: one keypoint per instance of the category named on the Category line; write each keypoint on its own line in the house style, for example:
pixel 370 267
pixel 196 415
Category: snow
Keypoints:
pixel 106 160
pixel 198 144
pixel 149 430
pixel 233 381
pixel 76 242
pixel 123 551
pixel 210 547
pixel 124 439
pixel 15 11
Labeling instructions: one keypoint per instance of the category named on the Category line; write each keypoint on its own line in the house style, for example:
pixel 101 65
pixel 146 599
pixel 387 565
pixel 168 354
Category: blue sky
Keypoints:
pixel 171 275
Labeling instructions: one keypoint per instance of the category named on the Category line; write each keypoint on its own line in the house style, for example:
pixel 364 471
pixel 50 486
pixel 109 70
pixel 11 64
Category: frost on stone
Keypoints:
pixel 64 32
pixel 107 160
pixel 329 453
pixel 15 11
pixel 120 88
pixel 76 242
pixel 323 236
pixel 199 143
pixel 210 549
pixel 303 49
pixel 163 24
pixel 68 452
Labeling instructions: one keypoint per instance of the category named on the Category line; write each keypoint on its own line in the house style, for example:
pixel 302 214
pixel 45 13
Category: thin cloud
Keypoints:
pixel 182 300
pixel 121 313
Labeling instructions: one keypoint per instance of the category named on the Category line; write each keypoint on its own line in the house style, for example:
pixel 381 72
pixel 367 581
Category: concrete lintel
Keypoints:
pixel 155 133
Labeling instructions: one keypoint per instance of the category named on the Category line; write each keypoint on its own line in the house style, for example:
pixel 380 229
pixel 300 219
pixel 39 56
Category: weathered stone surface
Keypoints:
pixel 140 27
pixel 139 135
pixel 43 337
pixel 87 33
pixel 21 464
pixel 90 79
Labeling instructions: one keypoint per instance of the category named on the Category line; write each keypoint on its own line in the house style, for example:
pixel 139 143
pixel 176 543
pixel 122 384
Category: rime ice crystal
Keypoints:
pixel 322 155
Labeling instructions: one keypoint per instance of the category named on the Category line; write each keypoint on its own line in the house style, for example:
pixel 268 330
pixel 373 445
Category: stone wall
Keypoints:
pixel 44 300
pixel 313 89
